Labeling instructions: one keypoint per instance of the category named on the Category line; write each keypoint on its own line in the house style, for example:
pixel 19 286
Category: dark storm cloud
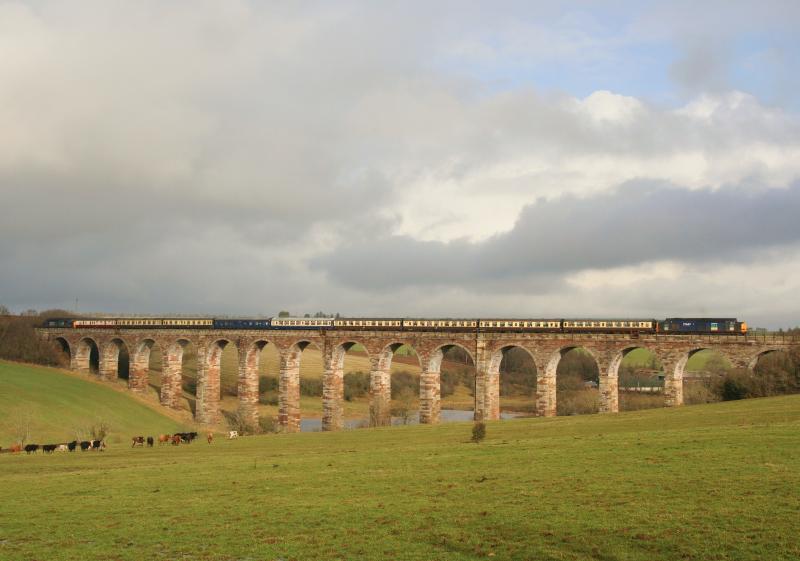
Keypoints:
pixel 634 224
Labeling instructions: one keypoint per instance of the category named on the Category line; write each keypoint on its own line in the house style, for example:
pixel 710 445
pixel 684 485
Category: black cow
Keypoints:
pixel 98 445
pixel 150 441
pixel 49 448
pixel 31 448
pixel 85 445
pixel 72 445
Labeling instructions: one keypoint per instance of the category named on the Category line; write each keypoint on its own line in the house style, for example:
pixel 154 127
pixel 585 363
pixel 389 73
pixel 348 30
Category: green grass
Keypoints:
pixel 717 481
pixel 61 406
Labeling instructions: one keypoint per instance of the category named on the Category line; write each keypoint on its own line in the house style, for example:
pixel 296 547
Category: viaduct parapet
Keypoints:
pixel 485 349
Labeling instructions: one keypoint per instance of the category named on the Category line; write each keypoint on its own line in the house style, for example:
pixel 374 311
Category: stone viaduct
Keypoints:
pixel 485 349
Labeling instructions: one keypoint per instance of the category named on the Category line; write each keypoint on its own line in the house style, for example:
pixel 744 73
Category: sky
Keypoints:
pixel 435 159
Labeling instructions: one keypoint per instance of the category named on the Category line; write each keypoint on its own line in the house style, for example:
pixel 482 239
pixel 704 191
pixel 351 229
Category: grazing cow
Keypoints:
pixel 98 445
pixel 191 436
pixel 49 448
pixel 31 448
pixel 150 441
pixel 137 440
pixel 210 437
pixel 72 445
pixel 85 445
pixel 62 448
pixel 233 434
pixel 164 439
pixel 176 440
pixel 16 448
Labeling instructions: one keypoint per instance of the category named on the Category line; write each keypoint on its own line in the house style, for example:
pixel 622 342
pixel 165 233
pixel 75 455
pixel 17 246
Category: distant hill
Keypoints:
pixel 59 407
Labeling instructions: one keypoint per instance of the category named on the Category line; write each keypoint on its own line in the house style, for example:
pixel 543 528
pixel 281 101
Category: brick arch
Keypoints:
pixel 62 343
pixel 752 362
pixel 209 383
pixel 138 379
pixel 172 370
pixel 289 383
pixel 674 371
pixel 609 380
pixel 380 382
pixel 247 389
pixel 333 382
pixel 487 381
pixel 110 358
pixel 82 359
pixel 546 380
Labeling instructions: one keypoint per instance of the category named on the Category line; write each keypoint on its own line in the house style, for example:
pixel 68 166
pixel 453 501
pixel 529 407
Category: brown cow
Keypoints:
pixel 16 448
pixel 137 440
pixel 176 440
pixel 164 439
pixel 210 437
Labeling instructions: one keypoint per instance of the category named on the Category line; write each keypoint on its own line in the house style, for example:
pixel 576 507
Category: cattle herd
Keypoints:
pixel 92 445
pixel 84 445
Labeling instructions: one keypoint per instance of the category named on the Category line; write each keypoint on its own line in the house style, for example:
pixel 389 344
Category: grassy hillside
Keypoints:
pixel 717 481
pixel 60 407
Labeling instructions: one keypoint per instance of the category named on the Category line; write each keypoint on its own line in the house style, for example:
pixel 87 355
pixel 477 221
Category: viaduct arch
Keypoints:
pixel 485 349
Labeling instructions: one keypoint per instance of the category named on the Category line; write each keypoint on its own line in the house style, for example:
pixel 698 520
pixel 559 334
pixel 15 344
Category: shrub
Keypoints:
pixel 267 423
pixel 99 430
pixel 356 384
pixel 478 432
pixel 311 387
pixel 269 398
pixel 578 402
pixel 404 404
pixel 267 384
pixel 738 385
pixel 238 422
pixel 633 401
pixel 403 380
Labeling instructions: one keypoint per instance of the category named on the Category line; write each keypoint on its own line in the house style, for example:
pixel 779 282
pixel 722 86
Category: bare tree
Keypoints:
pixel 4 311
pixel 21 425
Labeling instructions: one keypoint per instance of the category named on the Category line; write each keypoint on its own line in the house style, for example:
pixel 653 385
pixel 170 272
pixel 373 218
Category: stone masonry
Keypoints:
pixel 485 349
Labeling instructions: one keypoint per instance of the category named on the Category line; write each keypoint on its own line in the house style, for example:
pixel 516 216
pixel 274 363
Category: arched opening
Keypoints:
pixel 394 385
pixel 345 386
pixel 176 366
pixel 87 356
pixel 449 379
pixel 115 360
pixel 696 377
pixel 210 381
pixel 577 380
pixel 145 368
pixel 254 387
pixel 515 370
pixel 63 352
pixel 289 386
pixel 769 373
pixel 640 378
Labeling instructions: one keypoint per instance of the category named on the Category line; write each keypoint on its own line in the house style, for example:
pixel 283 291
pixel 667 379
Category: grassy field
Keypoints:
pixel 717 481
pixel 60 407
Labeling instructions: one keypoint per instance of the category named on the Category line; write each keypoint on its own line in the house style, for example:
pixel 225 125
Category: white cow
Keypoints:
pixel 62 448
pixel 233 434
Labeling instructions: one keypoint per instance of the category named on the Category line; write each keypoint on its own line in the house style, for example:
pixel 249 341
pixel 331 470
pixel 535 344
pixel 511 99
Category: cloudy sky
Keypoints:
pixel 402 158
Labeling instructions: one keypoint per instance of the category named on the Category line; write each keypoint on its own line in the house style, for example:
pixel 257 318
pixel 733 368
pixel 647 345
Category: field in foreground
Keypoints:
pixel 717 481
pixel 60 406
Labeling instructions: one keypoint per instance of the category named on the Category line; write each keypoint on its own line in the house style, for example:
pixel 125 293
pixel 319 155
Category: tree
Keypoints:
pixel 4 311
pixel 283 314
pixel 21 426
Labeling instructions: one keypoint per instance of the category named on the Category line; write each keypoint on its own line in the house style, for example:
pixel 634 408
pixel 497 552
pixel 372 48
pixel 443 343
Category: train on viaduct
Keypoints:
pixel 485 347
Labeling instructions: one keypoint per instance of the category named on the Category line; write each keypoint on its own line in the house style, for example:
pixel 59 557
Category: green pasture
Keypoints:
pixel 718 481
pixel 59 407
